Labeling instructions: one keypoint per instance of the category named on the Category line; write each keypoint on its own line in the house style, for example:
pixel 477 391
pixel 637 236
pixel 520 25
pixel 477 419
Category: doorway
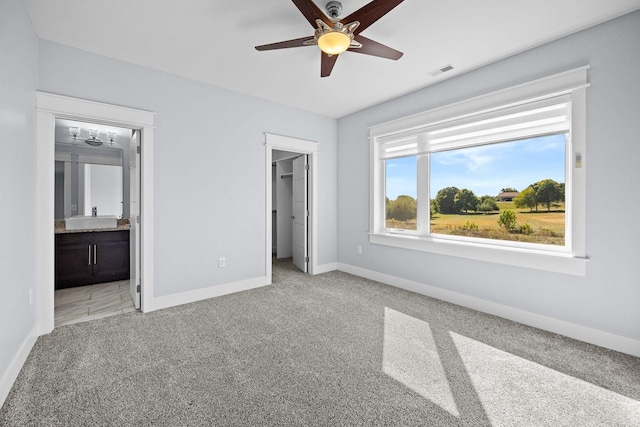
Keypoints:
pixel 291 213
pixel 97 176
pixel 49 108
pixel 304 221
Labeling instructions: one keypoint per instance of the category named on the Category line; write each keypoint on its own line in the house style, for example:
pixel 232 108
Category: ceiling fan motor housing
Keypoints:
pixel 334 9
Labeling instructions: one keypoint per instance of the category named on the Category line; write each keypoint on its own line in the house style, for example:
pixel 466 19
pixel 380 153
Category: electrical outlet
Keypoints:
pixel 358 249
pixel 222 262
pixel 30 296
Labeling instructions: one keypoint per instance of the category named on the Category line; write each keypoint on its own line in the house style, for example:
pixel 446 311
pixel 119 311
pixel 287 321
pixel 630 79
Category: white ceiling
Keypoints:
pixel 213 41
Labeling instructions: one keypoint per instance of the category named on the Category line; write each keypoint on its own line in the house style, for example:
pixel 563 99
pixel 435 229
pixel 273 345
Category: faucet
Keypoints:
pixel 94 211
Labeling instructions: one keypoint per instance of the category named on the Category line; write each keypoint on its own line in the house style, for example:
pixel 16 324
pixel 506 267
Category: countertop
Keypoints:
pixel 60 228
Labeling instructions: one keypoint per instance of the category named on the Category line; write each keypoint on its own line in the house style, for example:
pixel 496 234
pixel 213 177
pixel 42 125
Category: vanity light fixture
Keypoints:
pixel 94 136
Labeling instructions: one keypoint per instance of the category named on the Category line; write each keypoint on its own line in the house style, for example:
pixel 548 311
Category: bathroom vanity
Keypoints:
pixel 84 257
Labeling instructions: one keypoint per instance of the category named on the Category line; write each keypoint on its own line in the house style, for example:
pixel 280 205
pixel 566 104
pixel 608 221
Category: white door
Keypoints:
pixel 300 213
pixel 134 215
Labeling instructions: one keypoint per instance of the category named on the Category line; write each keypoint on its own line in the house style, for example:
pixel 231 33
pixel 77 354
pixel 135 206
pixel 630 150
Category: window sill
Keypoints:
pixel 539 260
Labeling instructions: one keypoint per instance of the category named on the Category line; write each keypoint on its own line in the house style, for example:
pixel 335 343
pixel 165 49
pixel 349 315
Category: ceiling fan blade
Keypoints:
pixel 312 12
pixel 285 44
pixel 370 47
pixel 370 13
pixel 327 63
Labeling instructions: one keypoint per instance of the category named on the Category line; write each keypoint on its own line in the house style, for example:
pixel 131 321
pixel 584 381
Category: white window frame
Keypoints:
pixel 570 259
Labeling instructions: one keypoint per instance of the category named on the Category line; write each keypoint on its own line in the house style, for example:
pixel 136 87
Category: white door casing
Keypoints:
pixel 300 212
pixel 302 146
pixel 50 107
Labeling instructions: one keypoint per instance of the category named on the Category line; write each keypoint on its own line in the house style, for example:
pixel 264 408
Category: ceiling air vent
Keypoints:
pixel 441 70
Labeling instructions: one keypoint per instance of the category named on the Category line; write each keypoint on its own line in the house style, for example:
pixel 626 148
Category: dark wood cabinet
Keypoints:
pixel 92 257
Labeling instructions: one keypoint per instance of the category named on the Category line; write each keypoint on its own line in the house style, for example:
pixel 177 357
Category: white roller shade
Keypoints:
pixel 542 117
pixel 533 119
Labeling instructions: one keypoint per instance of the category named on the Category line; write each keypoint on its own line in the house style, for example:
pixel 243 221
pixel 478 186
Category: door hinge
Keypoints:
pixel 306 167
pixel 306 259
pixel 138 219
pixel 139 149
pixel 307 214
pixel 138 289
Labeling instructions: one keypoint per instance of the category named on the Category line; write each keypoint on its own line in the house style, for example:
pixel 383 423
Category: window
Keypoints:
pixel 498 178
pixel 401 210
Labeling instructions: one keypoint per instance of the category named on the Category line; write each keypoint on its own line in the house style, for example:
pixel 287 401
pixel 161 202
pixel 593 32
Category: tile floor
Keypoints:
pixel 84 303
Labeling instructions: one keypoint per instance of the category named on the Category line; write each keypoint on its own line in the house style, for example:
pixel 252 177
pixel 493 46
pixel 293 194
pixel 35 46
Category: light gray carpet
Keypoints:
pixel 327 350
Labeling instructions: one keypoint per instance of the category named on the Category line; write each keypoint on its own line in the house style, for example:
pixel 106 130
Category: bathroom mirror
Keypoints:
pixel 82 183
pixel 88 175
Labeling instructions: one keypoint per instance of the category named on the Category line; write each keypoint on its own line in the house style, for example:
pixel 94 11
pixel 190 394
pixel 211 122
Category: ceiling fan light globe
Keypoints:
pixel 334 42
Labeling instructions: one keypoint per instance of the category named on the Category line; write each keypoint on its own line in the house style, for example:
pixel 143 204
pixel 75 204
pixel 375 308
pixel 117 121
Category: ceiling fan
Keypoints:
pixel 334 36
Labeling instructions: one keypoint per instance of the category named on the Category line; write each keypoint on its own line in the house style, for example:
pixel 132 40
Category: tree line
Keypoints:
pixel 452 200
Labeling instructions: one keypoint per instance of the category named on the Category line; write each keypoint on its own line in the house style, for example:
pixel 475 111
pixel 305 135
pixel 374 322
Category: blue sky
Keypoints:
pixel 483 169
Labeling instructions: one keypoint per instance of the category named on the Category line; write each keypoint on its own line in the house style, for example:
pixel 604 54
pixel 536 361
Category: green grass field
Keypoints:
pixel 547 227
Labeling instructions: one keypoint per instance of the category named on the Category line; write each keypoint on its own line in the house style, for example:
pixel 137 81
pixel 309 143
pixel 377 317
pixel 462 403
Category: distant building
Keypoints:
pixel 507 196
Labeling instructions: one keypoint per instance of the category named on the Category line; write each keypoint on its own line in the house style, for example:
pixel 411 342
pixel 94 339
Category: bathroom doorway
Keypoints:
pixel 97 177
pixel 51 107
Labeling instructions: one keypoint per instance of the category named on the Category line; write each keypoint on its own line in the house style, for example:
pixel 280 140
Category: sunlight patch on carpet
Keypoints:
pixel 410 356
pixel 514 391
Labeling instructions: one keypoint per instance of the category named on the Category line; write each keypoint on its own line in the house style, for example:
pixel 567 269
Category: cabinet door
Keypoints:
pixel 111 261
pixel 73 264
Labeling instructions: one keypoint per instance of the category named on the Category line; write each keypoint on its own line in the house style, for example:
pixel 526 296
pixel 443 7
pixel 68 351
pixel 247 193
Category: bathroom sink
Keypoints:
pixel 99 222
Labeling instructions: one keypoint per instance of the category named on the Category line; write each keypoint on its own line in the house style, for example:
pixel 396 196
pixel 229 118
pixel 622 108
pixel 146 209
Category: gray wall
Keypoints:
pixel 18 64
pixel 209 164
pixel 607 298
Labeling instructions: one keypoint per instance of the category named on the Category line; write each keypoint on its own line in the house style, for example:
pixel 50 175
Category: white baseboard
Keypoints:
pixel 583 333
pixel 325 268
pixel 16 364
pixel 206 293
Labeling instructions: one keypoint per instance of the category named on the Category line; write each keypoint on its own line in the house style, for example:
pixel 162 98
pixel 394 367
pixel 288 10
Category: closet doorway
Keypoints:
pixel 291 204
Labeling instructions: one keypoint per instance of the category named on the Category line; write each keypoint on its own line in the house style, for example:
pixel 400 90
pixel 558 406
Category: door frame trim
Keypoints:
pixel 301 146
pixel 49 107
